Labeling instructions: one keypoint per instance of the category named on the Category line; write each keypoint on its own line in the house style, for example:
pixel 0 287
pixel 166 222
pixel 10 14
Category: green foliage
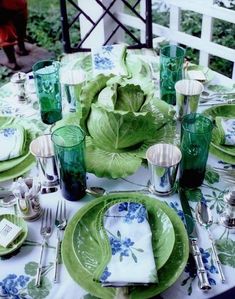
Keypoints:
pixel 191 24
pixel 44 25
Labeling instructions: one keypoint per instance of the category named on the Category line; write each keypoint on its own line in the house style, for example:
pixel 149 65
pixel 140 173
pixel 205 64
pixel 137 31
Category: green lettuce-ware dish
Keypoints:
pixel 224 152
pixel 161 227
pixel 81 270
pixel 20 239
pixel 18 166
pixel 209 74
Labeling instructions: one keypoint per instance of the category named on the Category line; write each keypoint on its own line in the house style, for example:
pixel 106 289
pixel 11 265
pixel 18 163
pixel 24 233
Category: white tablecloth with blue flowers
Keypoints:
pixel 18 271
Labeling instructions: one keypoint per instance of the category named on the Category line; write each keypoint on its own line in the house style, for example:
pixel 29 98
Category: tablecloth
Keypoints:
pixel 18 271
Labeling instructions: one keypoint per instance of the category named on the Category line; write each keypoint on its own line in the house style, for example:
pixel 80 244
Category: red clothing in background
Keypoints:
pixel 12 13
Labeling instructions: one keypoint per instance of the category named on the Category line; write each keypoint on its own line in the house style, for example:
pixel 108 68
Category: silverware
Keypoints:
pixel 227 175
pixel 203 282
pixel 206 96
pixel 204 218
pixel 60 223
pixel 99 191
pixel 45 231
pixel 216 102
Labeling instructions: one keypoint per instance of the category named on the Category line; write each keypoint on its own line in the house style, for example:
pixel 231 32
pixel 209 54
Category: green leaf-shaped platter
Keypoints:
pixel 20 239
pixel 15 167
pixel 81 267
pixel 224 152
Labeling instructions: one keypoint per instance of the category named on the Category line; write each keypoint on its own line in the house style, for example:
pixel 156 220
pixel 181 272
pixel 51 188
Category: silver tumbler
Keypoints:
pixel 163 161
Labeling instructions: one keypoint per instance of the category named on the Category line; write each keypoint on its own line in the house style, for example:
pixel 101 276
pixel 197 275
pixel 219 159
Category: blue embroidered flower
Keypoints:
pixel 12 285
pixel 125 252
pixel 180 213
pixel 123 206
pixel 205 255
pixel 103 63
pixel 122 247
pixel 134 211
pixel 8 131
pixel 105 275
pixel 107 49
pixel 212 282
pixel 115 244
pixel 128 242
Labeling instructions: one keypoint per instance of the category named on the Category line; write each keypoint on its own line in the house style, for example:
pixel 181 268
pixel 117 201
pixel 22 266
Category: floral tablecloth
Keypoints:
pixel 18 271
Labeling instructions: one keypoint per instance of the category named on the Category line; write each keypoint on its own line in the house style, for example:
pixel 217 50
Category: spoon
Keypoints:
pixel 204 217
pixel 99 191
pixel 206 96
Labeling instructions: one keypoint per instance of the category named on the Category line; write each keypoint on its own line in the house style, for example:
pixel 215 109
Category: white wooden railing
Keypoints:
pixel 204 44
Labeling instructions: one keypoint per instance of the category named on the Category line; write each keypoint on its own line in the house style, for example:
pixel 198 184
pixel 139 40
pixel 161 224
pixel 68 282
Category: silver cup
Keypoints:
pixel 42 149
pixel 187 96
pixel 72 82
pixel 163 161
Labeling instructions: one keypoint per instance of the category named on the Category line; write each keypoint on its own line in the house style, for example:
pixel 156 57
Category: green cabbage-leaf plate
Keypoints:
pixel 20 239
pixel 224 152
pixel 81 233
pixel 15 167
pixel 209 74
pixel 161 226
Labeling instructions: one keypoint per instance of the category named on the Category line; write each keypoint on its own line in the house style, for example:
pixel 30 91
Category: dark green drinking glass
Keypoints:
pixel 171 71
pixel 46 76
pixel 69 148
pixel 196 131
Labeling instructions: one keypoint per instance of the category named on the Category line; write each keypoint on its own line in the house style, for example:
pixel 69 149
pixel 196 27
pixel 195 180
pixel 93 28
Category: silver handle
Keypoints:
pixel 203 282
pixel 56 260
pixel 219 266
pixel 39 269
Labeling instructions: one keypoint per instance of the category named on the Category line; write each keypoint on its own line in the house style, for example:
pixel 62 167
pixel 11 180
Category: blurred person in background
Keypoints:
pixel 13 22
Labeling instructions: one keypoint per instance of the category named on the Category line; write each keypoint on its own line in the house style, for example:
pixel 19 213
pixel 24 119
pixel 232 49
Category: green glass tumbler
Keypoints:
pixel 171 71
pixel 46 76
pixel 69 148
pixel 196 132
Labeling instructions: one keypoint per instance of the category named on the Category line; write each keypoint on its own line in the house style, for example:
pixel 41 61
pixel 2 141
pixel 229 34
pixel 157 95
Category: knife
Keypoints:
pixel 203 282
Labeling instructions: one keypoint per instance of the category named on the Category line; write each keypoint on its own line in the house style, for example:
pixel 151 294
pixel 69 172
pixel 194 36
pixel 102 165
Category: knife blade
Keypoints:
pixel 190 225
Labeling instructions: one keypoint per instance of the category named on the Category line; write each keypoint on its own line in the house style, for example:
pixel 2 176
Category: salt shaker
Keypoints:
pixel 228 217
pixel 18 79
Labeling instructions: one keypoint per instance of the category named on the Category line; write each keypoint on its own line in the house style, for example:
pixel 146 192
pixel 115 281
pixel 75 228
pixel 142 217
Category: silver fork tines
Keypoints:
pixel 45 231
pixel 60 223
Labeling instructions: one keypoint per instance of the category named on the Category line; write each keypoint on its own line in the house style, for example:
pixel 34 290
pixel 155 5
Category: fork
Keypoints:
pixel 227 175
pixel 45 231
pixel 60 223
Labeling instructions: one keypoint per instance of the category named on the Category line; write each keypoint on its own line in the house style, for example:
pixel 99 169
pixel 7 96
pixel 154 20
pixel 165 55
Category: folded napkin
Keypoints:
pixel 129 237
pixel 12 140
pixel 109 60
pixel 226 127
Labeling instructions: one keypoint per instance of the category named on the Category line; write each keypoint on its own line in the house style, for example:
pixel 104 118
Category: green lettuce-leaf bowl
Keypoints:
pixel 81 265
pixel 15 167
pixel 224 152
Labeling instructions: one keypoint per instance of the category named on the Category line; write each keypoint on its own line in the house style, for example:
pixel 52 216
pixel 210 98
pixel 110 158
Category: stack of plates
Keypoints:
pixel 226 153
pixel 16 167
pixel 170 245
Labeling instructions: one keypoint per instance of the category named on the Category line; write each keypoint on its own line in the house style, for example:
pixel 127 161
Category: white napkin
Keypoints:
pixel 226 128
pixel 109 60
pixel 130 237
pixel 12 142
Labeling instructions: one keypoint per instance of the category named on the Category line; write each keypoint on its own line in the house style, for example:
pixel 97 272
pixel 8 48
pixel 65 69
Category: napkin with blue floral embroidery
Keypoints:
pixel 12 141
pixel 226 127
pixel 129 236
pixel 109 59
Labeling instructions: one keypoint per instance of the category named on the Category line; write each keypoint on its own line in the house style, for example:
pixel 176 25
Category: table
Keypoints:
pixel 18 271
